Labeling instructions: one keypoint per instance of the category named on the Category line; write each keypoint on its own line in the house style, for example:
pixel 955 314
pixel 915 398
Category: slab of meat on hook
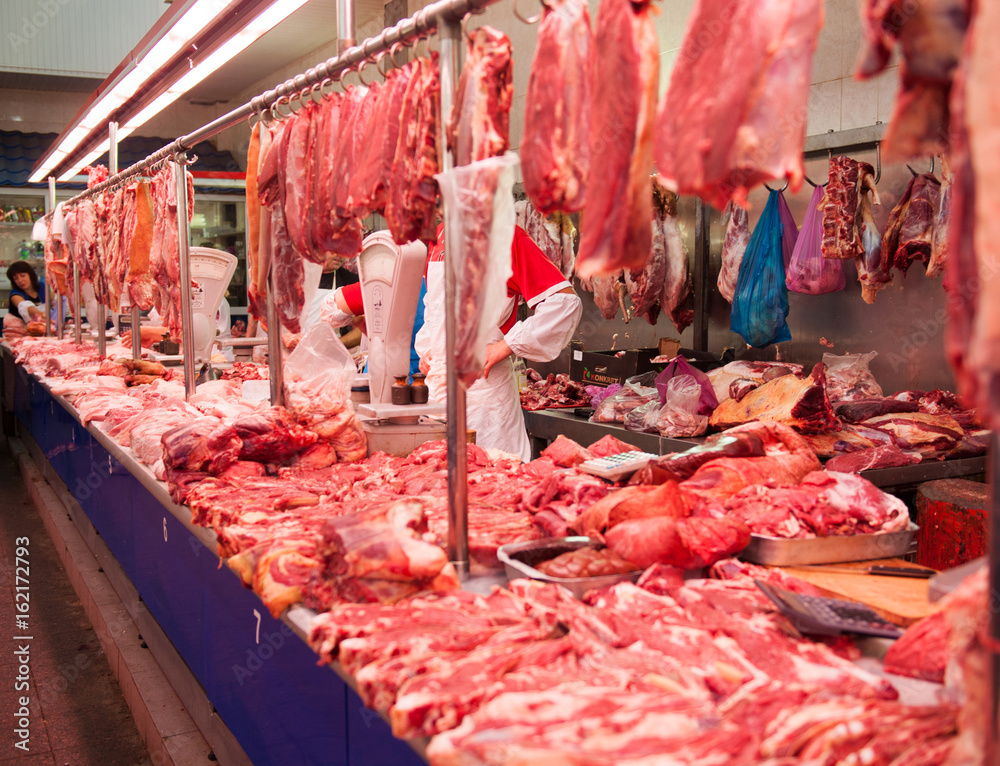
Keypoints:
pixel 615 232
pixel 164 255
pixel 869 264
pixel 553 234
pixel 479 124
pixel 258 270
pixel 555 145
pixel 298 169
pixel 253 219
pixel 733 247
pixel 138 280
pixel 930 34
pixel 940 227
pixel 354 117
pixel 741 63
pixel 412 202
pixel 848 181
pixel 910 228
pixel 676 287
pixel 367 190
pixel 609 294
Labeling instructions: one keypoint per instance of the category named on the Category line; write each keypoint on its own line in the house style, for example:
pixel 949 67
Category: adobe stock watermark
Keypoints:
pixel 45 11
pixel 261 653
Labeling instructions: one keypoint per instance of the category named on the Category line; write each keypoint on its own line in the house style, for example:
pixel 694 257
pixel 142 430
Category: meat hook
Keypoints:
pixel 531 20
pixel 813 184
pixel 915 173
pixel 878 161
pixel 276 109
pixel 393 49
pixel 378 63
pixel 322 86
pixel 781 189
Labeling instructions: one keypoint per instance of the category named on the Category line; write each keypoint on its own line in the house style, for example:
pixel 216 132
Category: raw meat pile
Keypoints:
pixel 552 391
pixel 701 668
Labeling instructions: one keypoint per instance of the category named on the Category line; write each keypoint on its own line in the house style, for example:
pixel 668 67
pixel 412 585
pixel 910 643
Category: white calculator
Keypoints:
pixel 615 467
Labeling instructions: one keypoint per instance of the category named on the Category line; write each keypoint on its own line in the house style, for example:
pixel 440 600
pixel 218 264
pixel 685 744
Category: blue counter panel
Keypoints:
pixel 264 682
pixel 260 677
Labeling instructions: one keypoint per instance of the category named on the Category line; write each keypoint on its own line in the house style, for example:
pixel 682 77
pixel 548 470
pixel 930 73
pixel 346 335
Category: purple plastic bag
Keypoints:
pixel 680 366
pixel 809 272
pixel 789 231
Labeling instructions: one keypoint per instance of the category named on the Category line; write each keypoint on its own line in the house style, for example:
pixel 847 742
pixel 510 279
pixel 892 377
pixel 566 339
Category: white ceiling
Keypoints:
pixel 312 26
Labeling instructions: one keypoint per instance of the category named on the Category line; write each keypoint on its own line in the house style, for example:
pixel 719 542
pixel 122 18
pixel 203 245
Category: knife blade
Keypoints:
pixel 877 569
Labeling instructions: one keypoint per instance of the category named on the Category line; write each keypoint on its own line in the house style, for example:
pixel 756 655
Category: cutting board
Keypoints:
pixel 902 600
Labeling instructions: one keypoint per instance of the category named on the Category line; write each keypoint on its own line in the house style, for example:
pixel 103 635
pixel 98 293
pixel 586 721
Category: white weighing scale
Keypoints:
pixel 390 287
pixel 212 270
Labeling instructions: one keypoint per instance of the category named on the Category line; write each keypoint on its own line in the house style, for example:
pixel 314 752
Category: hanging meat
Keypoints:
pixel 297 168
pixel 972 275
pixel 479 124
pixel 57 254
pixel 254 307
pixel 930 35
pixel 139 280
pixel 871 275
pixel 733 246
pixel 164 255
pixel 646 285
pixel 287 264
pixel 345 230
pixel 735 111
pixel 676 288
pixel 258 268
pixel 615 230
pixel 940 227
pixel 553 234
pixel 412 203
pixel 367 191
pixel 848 181
pixel 555 145
pixel 909 230
pixel 609 294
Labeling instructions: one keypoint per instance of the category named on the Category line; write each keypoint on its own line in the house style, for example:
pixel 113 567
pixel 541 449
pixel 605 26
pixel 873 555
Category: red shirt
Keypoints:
pixel 534 276
pixel 352 297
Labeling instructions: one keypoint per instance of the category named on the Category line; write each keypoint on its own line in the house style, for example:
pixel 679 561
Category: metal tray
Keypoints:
pixel 780 551
pixel 518 558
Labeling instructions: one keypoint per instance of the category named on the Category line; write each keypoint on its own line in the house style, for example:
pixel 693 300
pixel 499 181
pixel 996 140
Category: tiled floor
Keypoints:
pixel 78 715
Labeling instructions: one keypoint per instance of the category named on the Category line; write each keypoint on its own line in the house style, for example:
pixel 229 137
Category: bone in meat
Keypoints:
pixel 840 204
pixel 733 247
pixel 908 232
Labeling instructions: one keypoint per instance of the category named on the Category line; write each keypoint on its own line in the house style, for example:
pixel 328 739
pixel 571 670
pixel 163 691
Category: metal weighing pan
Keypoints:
pixel 783 552
pixel 518 558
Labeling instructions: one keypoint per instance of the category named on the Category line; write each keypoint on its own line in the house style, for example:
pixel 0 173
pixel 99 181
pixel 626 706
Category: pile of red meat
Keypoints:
pixel 705 670
pixel 552 391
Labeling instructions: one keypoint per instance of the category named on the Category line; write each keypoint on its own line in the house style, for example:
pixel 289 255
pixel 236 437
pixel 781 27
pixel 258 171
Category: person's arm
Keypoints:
pixel 148 335
pixel 27 309
pixel 342 306
pixel 542 336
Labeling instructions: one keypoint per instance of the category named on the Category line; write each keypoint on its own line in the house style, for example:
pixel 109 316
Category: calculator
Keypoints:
pixel 614 467
pixel 828 616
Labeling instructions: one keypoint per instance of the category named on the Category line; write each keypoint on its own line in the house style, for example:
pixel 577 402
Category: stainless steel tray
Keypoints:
pixel 517 559
pixel 780 551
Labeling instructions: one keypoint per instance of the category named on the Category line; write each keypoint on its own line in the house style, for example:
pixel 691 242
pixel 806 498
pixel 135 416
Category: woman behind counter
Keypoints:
pixel 25 294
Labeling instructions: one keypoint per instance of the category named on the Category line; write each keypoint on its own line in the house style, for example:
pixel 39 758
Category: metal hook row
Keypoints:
pixel 531 19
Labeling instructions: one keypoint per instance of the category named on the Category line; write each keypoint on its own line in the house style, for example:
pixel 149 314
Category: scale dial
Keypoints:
pixel 377 263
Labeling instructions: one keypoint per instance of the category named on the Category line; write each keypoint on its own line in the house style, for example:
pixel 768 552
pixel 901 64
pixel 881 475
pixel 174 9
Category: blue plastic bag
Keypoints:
pixel 760 303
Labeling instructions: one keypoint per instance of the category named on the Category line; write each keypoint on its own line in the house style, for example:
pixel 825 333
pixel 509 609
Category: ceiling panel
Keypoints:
pixel 309 28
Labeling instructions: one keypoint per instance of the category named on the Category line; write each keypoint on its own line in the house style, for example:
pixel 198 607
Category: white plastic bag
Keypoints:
pixel 479 223
pixel 679 415
pixel 849 379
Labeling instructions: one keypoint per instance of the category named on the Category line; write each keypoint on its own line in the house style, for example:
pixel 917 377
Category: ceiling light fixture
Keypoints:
pixel 180 35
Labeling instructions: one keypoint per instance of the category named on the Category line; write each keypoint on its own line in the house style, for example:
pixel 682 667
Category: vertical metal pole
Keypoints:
pixel 136 334
pixel 449 36
pixel 102 316
pixel 48 277
pixel 59 310
pixel 276 372
pixel 702 256
pixel 183 245
pixel 345 26
pixel 993 561
pixel 77 325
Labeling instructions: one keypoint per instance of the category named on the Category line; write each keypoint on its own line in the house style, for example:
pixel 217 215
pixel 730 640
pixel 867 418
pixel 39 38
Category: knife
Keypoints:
pixel 886 571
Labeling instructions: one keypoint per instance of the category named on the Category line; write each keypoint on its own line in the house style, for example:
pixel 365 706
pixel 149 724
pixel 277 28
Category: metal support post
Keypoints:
pixel 77 325
pixel 449 36
pixel 702 255
pixel 183 249
pixel 345 25
pixel 136 334
pixel 48 277
pixel 276 373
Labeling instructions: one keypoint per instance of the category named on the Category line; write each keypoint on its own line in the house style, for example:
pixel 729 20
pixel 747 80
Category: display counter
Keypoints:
pixel 255 672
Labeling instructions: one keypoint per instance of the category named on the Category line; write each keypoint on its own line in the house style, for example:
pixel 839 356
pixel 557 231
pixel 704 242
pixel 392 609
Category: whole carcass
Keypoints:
pixel 909 230
pixel 733 246
pixel 741 63
pixel 555 144
pixel 479 125
pixel 930 34
pixel 615 230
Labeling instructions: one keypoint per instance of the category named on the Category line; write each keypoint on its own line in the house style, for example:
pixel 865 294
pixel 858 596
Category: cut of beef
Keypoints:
pixel 922 651
pixel 609 445
pixel 849 181
pixel 271 436
pixel 886 456
pixel 798 402
pixel 741 63
pixel 733 247
pixel 479 124
pixel 555 145
pixel 410 209
pixel 859 410
pixel 910 228
pixel 676 286
pixel 566 452
pixel 678 466
pixel 203 444
pixel 933 436
pixel 616 233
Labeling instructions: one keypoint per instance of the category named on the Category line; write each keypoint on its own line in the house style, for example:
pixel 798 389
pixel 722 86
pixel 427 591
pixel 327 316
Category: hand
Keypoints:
pixel 148 335
pixel 425 364
pixel 495 352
